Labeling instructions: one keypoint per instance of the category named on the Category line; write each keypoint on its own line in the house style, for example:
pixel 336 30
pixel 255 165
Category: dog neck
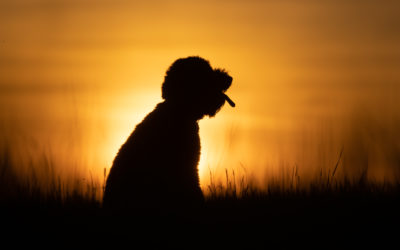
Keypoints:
pixel 184 112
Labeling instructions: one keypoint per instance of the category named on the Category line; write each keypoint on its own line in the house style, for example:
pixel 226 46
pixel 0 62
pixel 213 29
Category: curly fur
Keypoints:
pixel 156 168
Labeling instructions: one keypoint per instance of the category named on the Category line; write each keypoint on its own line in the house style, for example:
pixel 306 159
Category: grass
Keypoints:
pixel 235 207
pixel 47 193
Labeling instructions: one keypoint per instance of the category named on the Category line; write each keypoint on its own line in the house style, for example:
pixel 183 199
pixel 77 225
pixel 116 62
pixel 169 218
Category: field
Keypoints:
pixel 236 212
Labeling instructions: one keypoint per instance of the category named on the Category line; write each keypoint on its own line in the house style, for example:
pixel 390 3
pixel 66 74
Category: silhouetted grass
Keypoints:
pixel 235 207
pixel 48 193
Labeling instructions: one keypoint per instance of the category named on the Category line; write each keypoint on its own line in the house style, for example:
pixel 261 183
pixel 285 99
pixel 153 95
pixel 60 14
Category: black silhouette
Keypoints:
pixel 156 168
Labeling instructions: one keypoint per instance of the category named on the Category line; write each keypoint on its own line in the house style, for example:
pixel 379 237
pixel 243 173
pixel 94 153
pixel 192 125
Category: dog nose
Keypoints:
pixel 230 79
pixel 229 101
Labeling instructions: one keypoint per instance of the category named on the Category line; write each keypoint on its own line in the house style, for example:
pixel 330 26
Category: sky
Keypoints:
pixel 310 78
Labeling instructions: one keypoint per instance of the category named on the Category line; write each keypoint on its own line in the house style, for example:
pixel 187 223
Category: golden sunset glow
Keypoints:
pixel 309 78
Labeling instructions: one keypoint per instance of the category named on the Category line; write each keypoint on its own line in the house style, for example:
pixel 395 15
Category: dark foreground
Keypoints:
pixel 257 219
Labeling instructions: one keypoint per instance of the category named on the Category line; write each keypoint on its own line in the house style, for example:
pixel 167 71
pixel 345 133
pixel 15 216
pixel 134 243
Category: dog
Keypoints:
pixel 156 168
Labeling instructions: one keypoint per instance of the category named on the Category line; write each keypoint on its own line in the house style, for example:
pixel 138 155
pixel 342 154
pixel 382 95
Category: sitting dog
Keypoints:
pixel 156 168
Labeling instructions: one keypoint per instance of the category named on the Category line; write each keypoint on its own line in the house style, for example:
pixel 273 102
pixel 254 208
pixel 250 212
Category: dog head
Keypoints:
pixel 193 85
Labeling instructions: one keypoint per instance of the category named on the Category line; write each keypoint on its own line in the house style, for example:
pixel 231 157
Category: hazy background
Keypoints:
pixel 310 78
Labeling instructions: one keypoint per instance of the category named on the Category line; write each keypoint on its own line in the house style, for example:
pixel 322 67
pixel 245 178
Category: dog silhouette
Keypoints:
pixel 156 168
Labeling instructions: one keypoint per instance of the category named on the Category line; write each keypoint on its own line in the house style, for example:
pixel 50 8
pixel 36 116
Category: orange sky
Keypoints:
pixel 310 77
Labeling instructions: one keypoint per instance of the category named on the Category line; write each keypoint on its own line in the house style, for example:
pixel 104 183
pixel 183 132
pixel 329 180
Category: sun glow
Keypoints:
pixel 308 80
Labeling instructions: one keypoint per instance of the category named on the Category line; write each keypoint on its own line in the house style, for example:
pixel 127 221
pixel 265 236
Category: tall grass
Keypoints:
pixel 48 189
pixel 325 183
pixel 40 186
